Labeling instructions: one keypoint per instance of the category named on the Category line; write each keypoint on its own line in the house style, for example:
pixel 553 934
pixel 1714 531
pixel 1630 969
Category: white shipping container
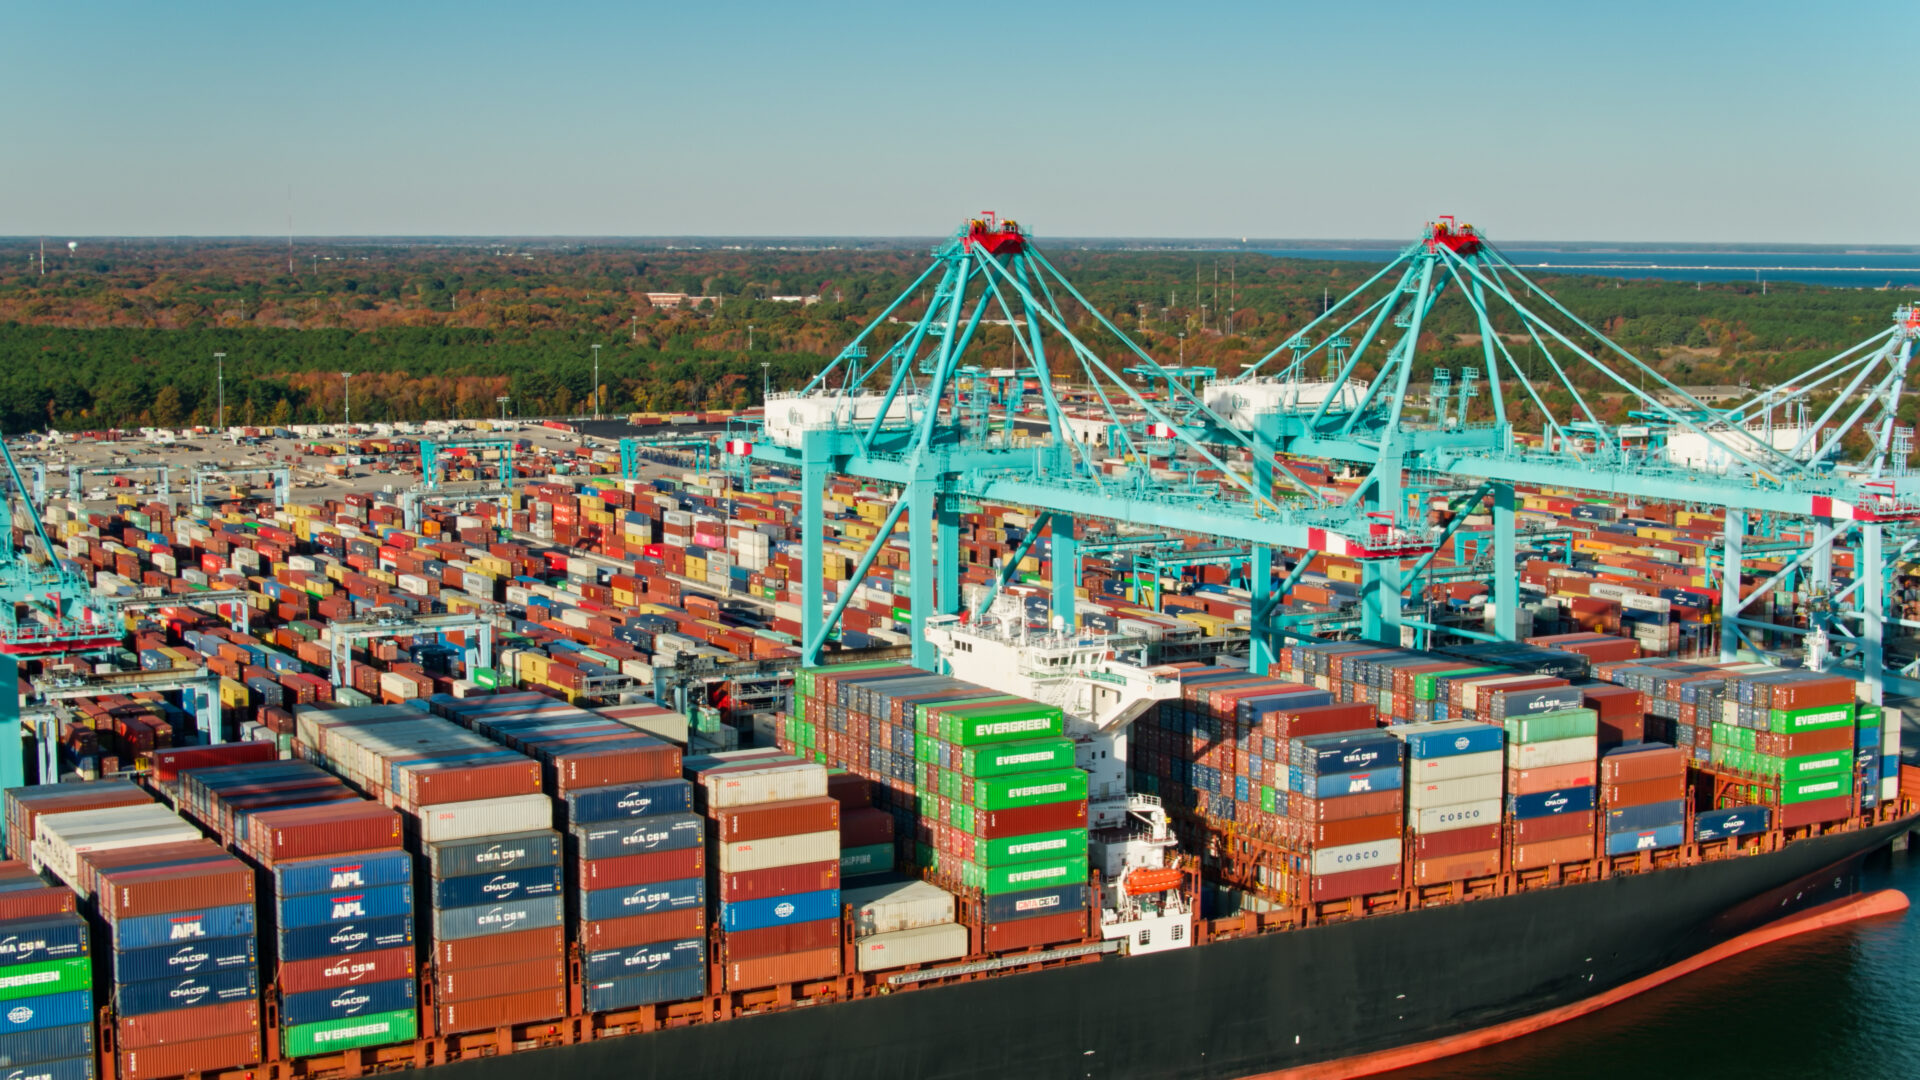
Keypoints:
pixel 1889 788
pixel 1542 755
pixel 907 905
pixel 768 852
pixel 60 839
pixel 921 945
pixel 775 783
pixel 485 817
pixel 412 583
pixel 397 685
pixel 1428 770
pixel 1435 819
pixel 1339 860
pixel 1466 789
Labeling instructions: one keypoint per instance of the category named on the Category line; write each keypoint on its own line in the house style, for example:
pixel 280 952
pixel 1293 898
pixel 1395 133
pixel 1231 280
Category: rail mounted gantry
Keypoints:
pixel 437 454
pixel 342 635
pixel 280 475
pixel 1842 473
pixel 635 449
pixel 888 418
pixel 163 478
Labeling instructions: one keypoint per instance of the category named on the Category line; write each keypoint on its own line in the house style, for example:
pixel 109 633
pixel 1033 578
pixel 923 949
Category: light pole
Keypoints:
pixel 220 384
pixel 766 385
pixel 502 402
pixel 596 382
pixel 749 337
pixel 346 398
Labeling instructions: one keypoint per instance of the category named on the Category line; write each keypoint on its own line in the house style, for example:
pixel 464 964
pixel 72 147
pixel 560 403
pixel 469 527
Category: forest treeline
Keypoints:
pixel 124 333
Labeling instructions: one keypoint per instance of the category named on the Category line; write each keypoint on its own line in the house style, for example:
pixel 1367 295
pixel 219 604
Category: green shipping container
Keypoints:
pixel 485 677
pixel 928 718
pixel 1808 765
pixel 1037 847
pixel 993 724
pixel 1783 722
pixel 1867 716
pixel 1000 759
pixel 1546 727
pixel 329 1036
pixel 1267 800
pixel 46 977
pixel 1815 787
pixel 872 859
pixel 1022 876
pixel 1426 687
pixel 1030 789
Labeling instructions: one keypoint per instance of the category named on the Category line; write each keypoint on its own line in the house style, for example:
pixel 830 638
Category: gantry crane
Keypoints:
pixel 888 419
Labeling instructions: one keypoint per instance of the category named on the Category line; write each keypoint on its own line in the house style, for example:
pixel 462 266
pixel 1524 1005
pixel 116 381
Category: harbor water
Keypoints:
pixel 1840 1004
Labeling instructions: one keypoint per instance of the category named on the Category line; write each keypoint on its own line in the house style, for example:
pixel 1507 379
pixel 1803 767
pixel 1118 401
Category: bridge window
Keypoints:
pixel 1146 936
pixel 1179 931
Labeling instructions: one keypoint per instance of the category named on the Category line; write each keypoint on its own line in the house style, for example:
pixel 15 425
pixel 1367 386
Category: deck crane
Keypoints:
pixel 886 417
pixel 1677 450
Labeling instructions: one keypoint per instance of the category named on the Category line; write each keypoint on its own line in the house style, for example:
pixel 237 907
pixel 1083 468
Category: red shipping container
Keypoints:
pixel 624 763
pixel 201 1055
pixel 774 940
pixel 1642 792
pixel 643 929
pixel 1367 804
pixel 1824 741
pixel 786 968
pixel 779 881
pixel 1635 766
pixel 1550 778
pixel 1557 827
pixel 334 829
pixel 187 1025
pixel 852 791
pixel 168 763
pixel 1344 831
pixel 1342 886
pixel 1549 852
pixel 1818 811
pixel 330 972
pixel 215 879
pixel 764 820
pixel 488 951
pixel 1457 867
pixel 495 980
pixel 1021 934
pixel 864 826
pixel 502 1011
pixel 1050 817
pixel 1442 845
pixel 643 869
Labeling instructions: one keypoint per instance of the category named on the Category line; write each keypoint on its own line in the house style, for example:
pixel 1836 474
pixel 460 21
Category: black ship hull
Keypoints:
pixel 1253 1005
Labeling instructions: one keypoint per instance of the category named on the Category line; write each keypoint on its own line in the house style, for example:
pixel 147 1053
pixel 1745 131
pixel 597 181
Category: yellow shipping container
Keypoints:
pixel 1339 572
pixel 234 695
pixel 533 667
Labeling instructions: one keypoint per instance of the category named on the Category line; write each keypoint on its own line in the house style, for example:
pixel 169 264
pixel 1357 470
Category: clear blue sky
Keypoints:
pixel 1672 120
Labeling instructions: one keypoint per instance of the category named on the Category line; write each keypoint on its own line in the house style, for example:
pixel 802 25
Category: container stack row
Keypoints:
pixel 1552 799
pixel 1643 795
pixel 46 979
pixel 1455 777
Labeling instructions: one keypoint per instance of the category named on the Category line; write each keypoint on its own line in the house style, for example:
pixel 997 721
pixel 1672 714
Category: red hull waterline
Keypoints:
pixel 1834 913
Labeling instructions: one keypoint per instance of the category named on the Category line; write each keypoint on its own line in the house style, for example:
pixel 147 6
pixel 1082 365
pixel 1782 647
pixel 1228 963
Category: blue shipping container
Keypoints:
pixel 35 941
pixel 493 854
pixel 187 991
pixel 337 873
pixel 46 1044
pixel 679 984
pixel 1535 702
pixel 643 899
pixel 1647 816
pixel 1626 843
pixel 645 959
pixel 780 910
pixel 498 888
pixel 1478 739
pixel 317 1006
pixel 1548 803
pixel 320 909
pixel 1345 752
pixel 1334 785
pixel 1011 907
pixel 146 931
pixel 1731 821
pixel 73 1068
pixel 666 832
pixel 46 1011
pixel 629 801
pixel 367 935
pixel 193 958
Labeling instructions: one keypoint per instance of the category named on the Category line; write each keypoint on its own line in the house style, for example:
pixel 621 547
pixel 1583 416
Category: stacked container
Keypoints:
pixel 1643 793
pixel 1344 794
pixel 903 924
pixel 25 804
pixel 1551 798
pixel 342 907
pixel 185 965
pixel 639 892
pixel 1455 783
pixel 474 805
pixel 46 979
pixel 867 834
pixel 776 842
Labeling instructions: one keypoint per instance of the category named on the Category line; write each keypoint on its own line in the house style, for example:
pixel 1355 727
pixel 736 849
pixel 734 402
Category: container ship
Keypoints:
pixel 537 779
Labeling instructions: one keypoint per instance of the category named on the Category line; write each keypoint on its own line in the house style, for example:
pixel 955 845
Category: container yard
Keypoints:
pixel 1019 689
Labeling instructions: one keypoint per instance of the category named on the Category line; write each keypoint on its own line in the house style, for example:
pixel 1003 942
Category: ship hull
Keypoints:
pixel 1253 1005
